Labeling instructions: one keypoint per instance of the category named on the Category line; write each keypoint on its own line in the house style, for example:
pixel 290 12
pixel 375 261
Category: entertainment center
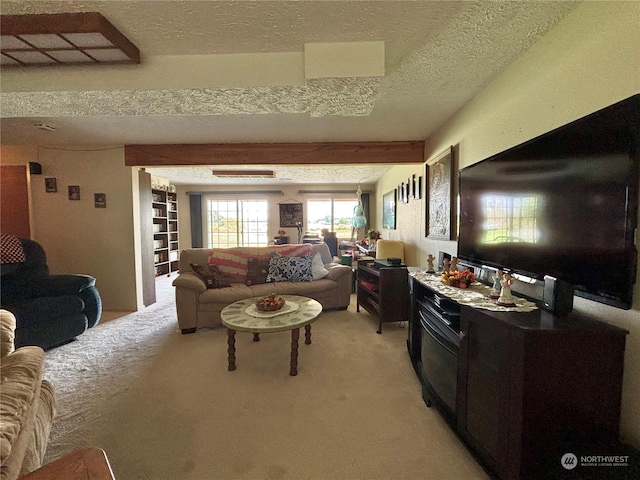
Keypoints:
pixel 521 389
pixel 524 388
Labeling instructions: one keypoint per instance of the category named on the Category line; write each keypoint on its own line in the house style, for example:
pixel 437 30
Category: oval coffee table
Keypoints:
pixel 236 318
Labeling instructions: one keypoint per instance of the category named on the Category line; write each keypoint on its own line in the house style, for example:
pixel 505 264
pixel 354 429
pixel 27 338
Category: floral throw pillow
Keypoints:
pixel 290 269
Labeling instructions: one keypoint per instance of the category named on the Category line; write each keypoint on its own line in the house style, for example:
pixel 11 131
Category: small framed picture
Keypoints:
pixel 100 200
pixel 417 187
pixel 74 192
pixel 409 188
pixel 50 185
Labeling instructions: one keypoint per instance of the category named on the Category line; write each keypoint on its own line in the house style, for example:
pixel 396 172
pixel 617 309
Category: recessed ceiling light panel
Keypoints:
pixel 244 173
pixel 63 39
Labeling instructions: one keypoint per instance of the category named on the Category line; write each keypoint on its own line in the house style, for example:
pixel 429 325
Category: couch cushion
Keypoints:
pixel 323 250
pixel 237 291
pixel 257 270
pixel 210 275
pixel 20 376
pixel 317 267
pixel 45 413
pixel 290 269
pixel 233 261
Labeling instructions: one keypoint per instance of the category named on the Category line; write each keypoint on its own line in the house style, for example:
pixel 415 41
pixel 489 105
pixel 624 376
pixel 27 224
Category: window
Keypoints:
pixel 510 219
pixel 334 214
pixel 237 223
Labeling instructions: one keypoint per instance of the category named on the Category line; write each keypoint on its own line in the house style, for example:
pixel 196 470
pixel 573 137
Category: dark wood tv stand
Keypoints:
pixel 531 387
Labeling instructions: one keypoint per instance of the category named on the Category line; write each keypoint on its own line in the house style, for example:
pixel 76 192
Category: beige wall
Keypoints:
pixel 290 194
pixel 589 61
pixel 77 237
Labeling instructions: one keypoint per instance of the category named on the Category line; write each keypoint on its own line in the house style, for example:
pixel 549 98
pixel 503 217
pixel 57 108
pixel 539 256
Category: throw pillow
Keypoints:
pixel 210 275
pixel 290 269
pixel 257 270
pixel 317 267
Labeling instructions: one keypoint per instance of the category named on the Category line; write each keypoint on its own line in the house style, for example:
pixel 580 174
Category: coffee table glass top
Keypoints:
pixel 234 316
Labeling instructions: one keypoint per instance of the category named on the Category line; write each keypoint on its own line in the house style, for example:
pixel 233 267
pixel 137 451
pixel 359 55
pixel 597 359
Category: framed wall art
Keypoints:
pixel 290 214
pixel 440 207
pixel 417 187
pixel 389 210
pixel 74 192
pixel 50 185
pixel 100 200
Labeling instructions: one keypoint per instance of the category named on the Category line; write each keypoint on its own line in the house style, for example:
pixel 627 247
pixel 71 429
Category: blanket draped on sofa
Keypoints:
pixel 199 306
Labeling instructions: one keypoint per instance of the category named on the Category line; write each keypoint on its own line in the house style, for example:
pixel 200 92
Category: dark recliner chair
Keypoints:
pixel 50 310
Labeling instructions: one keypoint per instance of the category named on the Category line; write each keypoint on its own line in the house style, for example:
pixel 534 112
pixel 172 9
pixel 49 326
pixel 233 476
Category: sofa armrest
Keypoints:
pixel 7 332
pixel 55 285
pixel 190 281
pixel 337 270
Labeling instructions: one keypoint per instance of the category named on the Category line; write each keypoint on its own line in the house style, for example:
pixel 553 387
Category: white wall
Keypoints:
pixel 589 61
pixel 77 237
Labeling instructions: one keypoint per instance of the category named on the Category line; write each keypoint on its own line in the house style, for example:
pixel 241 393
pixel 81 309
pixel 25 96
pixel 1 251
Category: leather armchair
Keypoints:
pixel 50 310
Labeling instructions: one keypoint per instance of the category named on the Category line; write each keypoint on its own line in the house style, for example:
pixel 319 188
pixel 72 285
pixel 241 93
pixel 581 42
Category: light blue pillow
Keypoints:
pixel 290 269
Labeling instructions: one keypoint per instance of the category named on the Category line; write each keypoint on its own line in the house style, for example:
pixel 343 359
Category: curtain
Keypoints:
pixel 195 210
pixel 364 198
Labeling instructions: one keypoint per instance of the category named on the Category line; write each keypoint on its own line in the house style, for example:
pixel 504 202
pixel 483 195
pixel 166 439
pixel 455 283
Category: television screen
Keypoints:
pixel 563 204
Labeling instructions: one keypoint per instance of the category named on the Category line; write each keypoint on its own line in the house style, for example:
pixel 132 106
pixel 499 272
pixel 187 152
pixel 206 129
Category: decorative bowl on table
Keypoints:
pixel 270 303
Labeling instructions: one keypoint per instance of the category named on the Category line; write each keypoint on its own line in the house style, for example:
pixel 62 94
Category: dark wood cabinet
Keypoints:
pixel 383 292
pixel 531 387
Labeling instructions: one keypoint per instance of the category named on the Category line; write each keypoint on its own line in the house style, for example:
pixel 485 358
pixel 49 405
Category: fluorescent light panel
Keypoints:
pixel 244 173
pixel 63 39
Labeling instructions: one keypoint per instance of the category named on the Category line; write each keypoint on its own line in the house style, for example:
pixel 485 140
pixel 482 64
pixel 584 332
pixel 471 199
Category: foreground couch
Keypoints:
pixel 27 404
pixel 50 309
pixel 199 306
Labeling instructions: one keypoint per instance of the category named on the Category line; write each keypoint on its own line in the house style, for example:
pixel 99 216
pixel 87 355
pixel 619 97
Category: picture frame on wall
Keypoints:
pixel 409 189
pixel 100 200
pixel 50 185
pixel 440 206
pixel 290 214
pixel 402 193
pixel 417 187
pixel 389 210
pixel 74 192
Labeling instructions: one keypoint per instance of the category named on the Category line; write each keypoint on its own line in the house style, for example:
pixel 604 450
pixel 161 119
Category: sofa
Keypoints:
pixel 50 310
pixel 27 404
pixel 199 306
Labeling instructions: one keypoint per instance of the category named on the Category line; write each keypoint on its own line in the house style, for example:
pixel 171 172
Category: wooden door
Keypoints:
pixel 14 201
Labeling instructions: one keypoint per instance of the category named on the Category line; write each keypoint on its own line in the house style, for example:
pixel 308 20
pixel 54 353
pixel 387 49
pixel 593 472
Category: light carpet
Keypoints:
pixel 163 405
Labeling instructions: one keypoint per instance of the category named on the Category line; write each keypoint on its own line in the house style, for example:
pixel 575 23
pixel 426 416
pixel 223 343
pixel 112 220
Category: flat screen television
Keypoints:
pixel 563 204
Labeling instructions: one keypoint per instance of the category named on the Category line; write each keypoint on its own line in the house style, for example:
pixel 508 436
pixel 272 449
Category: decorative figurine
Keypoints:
pixel 506 299
pixel 453 266
pixel 445 265
pixel 495 290
pixel 430 268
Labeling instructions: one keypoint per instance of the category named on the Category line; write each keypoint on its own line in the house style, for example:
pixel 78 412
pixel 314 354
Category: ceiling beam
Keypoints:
pixel 346 153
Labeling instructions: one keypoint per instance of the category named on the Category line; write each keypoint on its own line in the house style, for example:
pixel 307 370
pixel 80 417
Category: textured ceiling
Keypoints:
pixel 438 55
